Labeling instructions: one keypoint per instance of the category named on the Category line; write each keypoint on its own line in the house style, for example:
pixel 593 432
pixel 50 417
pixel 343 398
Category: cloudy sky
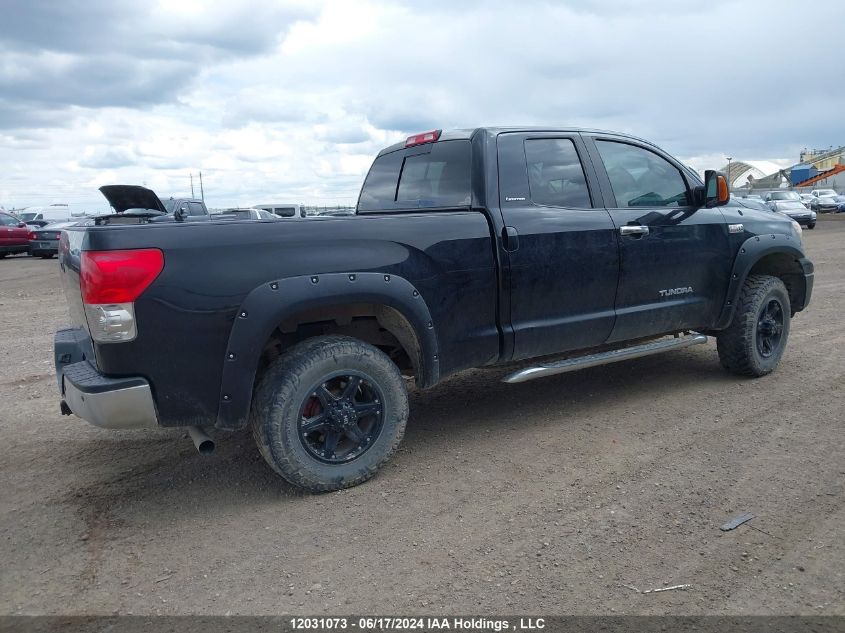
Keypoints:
pixel 290 101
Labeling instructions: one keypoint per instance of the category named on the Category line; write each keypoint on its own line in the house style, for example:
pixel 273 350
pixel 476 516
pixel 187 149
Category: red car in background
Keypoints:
pixel 14 236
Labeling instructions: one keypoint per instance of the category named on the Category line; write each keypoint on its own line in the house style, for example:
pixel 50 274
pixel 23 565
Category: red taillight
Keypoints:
pixel 425 137
pixel 32 235
pixel 118 276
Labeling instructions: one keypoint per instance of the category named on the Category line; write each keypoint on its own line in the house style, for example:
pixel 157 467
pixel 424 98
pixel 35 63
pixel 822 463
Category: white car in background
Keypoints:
pixel 246 214
pixel 41 216
pixel 824 201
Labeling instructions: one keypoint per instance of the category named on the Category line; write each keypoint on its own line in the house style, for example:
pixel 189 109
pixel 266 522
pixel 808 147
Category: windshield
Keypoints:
pixel 785 195
pixel 8 220
pixel 26 217
pixel 826 192
pixel 170 205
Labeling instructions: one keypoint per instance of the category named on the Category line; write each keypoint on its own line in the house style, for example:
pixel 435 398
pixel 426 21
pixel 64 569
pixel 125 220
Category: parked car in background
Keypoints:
pixel 13 235
pixel 189 208
pixel 42 216
pixel 806 198
pixel 283 209
pixel 781 196
pixel 840 202
pixel 824 201
pixel 44 241
pixel 134 204
pixel 247 214
pixel 796 210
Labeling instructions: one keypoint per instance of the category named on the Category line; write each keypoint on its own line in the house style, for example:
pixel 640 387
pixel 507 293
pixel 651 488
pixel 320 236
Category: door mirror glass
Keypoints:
pixel 716 192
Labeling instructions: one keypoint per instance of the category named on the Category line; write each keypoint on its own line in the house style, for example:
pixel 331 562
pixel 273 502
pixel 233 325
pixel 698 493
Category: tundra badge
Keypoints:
pixel 675 291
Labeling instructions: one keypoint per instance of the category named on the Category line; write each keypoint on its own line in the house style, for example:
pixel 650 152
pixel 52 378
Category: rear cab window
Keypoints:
pixel 555 174
pixel 434 175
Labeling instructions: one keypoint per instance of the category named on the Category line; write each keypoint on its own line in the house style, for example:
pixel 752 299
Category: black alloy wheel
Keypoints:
pixel 769 328
pixel 341 418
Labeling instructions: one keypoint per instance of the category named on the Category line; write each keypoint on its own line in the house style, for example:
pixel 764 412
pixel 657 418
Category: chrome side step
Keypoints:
pixel 603 358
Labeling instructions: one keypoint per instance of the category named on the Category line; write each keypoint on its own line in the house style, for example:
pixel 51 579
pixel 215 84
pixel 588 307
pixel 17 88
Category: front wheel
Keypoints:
pixel 754 342
pixel 329 412
pixel 811 226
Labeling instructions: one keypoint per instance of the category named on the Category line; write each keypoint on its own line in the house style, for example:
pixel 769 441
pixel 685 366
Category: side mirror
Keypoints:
pixel 21 225
pixel 716 192
pixel 180 214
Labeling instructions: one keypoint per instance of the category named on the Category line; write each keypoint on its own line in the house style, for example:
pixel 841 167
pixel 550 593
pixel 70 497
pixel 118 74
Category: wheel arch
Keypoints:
pixel 282 312
pixel 773 254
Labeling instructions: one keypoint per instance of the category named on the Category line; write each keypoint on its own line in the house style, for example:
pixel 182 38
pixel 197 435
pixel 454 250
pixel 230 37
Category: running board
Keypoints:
pixel 603 358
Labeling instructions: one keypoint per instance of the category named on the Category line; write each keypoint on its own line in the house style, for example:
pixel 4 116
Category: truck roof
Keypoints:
pixel 468 133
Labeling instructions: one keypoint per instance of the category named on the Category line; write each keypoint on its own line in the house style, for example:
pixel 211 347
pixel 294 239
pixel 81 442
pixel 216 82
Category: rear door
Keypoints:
pixel 675 257
pixel 561 249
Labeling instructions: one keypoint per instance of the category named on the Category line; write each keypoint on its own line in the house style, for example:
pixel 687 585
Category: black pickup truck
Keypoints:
pixel 557 248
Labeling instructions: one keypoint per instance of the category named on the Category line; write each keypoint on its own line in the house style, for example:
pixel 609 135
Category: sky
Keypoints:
pixel 290 101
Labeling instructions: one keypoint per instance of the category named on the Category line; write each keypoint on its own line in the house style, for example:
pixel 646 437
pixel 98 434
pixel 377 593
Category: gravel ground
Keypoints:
pixel 562 495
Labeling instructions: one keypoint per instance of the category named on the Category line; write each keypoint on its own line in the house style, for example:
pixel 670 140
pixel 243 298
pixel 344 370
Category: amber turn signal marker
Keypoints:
pixel 722 188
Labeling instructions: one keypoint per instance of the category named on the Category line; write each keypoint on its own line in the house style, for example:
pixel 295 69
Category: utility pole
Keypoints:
pixel 729 173
pixel 202 193
pixel 192 184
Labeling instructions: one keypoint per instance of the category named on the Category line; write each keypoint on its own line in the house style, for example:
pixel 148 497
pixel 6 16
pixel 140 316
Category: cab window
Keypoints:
pixel 555 175
pixel 641 178
pixel 436 175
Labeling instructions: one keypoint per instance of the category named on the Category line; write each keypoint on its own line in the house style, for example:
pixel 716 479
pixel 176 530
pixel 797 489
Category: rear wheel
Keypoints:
pixel 328 413
pixel 755 340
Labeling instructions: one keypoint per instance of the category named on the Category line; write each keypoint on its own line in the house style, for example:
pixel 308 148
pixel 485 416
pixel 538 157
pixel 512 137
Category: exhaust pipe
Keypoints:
pixel 202 441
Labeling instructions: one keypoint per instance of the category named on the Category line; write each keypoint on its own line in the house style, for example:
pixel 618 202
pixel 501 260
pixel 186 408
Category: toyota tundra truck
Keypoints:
pixel 543 249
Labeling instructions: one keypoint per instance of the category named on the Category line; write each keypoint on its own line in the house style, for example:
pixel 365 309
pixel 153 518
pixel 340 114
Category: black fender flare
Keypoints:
pixel 268 305
pixel 752 251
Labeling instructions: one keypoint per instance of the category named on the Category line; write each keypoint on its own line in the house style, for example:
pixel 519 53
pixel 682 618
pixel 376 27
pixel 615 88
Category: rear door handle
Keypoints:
pixel 636 231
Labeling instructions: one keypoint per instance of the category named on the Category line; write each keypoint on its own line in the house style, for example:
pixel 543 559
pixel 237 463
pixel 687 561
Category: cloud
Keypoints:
pixel 107 157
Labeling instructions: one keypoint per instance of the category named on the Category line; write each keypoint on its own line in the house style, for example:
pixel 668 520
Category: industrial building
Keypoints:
pixel 816 169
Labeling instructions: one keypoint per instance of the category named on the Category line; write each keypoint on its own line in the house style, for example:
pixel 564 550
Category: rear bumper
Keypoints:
pixel 44 247
pixel 16 248
pixel 111 403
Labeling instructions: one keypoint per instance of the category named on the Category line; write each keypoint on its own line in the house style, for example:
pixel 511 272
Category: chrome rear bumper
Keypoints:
pixel 110 403
pixel 122 408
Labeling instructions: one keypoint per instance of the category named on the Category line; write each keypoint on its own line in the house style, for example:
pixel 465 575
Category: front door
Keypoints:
pixel 562 261
pixel 675 257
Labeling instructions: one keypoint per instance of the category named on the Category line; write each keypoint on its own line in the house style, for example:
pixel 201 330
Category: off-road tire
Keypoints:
pixel 286 385
pixel 737 345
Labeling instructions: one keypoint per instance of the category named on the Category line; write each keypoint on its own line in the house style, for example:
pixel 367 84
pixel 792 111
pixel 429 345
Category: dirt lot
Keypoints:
pixel 546 497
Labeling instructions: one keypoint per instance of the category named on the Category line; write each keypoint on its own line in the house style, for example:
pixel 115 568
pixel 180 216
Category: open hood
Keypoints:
pixel 123 197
